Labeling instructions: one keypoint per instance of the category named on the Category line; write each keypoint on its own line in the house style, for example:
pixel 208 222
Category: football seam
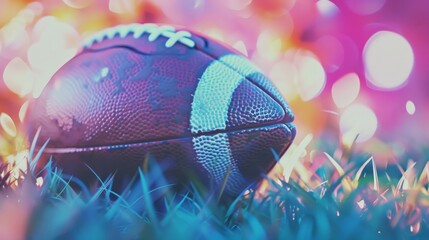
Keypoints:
pixel 136 144
pixel 138 30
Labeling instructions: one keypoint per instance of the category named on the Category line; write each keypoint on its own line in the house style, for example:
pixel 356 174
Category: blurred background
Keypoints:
pixel 354 71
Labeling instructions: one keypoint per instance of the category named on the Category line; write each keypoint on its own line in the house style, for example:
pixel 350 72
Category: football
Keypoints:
pixel 201 110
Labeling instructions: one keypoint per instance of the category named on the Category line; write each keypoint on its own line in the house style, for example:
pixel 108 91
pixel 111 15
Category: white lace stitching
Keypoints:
pixel 138 30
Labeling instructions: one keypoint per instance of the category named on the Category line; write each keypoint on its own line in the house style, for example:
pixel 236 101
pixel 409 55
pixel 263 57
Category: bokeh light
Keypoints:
pixel 122 6
pixel 311 77
pixel 388 59
pixel 410 107
pixel 327 8
pixel 345 90
pixel 358 120
pixel 13 34
pixel 18 77
pixel 284 74
pixel 57 42
pixel 23 111
pixel 78 3
pixel 269 44
pixel 7 124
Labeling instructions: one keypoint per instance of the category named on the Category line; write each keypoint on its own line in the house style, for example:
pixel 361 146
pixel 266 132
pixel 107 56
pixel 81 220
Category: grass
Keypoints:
pixel 306 197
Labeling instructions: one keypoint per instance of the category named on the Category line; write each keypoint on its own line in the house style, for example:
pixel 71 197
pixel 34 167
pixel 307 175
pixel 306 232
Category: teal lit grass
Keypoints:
pixel 285 210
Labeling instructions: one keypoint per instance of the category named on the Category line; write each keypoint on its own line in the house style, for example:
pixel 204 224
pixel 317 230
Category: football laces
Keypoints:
pixel 152 31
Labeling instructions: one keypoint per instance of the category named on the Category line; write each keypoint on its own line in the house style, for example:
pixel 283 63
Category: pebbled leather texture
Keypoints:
pixel 198 110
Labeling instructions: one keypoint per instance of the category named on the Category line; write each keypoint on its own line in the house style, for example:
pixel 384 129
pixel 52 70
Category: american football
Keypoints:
pixel 197 107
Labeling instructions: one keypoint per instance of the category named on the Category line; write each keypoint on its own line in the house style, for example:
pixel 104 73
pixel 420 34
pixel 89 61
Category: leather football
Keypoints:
pixel 200 109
